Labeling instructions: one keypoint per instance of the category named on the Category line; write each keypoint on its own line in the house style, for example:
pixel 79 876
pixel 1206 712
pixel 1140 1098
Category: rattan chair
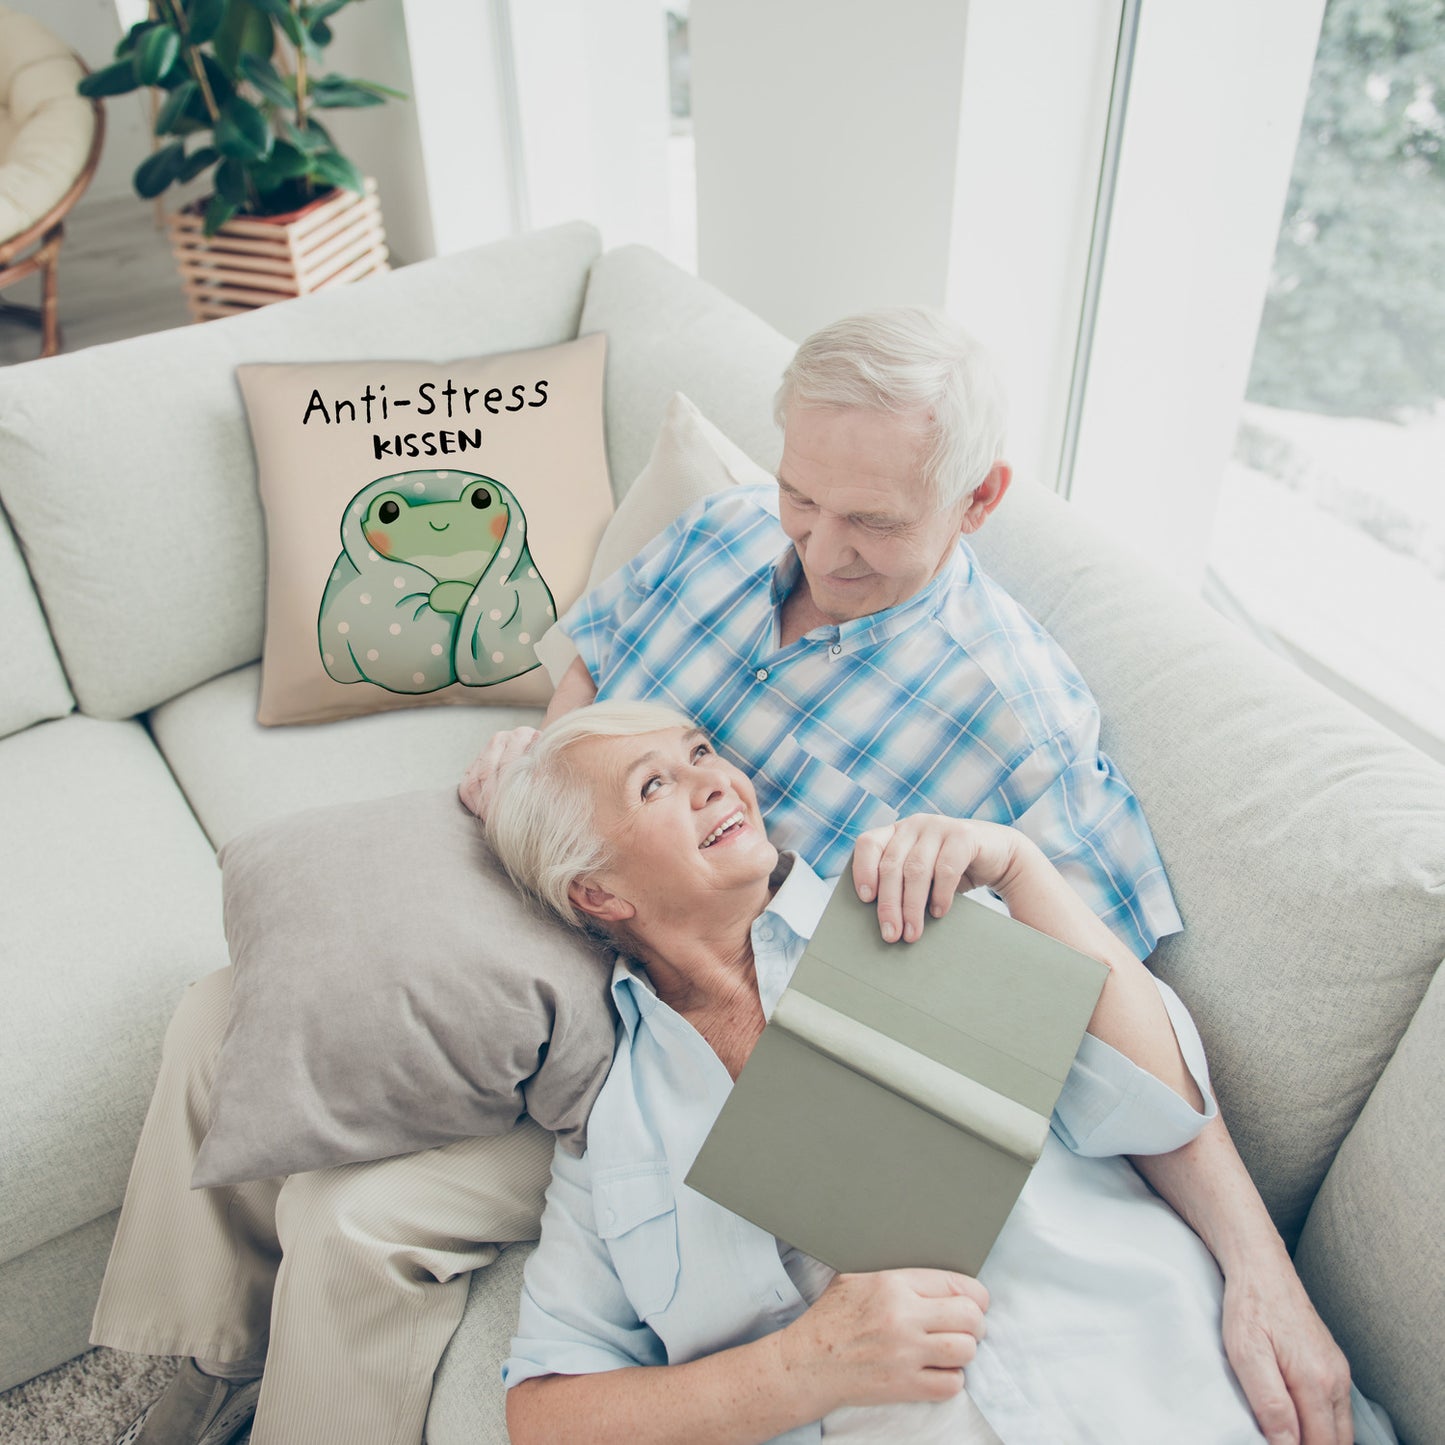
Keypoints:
pixel 50 139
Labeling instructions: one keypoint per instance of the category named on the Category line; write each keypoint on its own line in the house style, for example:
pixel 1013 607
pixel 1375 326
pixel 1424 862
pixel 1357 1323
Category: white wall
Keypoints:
pixel 827 146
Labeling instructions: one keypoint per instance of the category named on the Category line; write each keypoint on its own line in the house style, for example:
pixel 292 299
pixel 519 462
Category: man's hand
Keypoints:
pixel 1295 1377
pixel 475 788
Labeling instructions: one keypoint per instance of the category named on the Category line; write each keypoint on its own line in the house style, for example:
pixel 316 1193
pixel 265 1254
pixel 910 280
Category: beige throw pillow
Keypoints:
pixel 425 525
pixel 691 459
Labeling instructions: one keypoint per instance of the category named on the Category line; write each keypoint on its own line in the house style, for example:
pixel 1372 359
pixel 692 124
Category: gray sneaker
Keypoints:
pixel 194 1409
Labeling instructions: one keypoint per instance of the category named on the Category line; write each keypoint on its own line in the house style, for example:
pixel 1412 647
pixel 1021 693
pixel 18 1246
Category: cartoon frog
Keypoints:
pixel 435 584
pixel 454 541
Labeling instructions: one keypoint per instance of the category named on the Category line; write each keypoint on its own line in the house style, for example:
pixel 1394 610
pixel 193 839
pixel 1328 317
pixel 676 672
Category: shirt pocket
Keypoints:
pixel 818 809
pixel 636 1212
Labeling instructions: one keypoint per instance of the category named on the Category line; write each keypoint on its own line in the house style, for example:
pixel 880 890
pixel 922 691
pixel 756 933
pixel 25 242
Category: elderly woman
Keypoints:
pixel 653 1314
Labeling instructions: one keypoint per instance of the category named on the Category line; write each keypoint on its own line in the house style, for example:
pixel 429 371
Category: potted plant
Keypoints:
pixel 239 85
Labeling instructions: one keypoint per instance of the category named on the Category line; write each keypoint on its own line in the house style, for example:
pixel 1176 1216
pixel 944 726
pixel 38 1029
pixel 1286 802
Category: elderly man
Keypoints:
pixel 837 640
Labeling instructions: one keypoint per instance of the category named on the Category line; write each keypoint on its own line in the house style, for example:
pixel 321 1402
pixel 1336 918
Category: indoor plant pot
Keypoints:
pixel 254 260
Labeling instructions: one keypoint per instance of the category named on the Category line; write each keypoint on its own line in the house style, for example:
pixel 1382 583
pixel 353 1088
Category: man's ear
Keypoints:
pixel 986 496
pixel 595 901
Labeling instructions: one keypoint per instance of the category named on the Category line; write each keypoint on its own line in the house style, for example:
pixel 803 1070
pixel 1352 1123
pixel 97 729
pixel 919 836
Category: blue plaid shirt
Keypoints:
pixel 954 702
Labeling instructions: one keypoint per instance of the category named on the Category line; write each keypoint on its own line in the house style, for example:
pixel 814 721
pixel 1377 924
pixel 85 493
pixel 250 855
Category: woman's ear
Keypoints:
pixel 596 902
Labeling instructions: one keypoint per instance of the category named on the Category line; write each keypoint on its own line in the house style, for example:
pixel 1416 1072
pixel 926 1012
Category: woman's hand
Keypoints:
pixel 475 788
pixel 897 1335
pixel 918 864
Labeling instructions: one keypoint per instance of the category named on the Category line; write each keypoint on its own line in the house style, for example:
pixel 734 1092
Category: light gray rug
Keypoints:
pixel 86 1402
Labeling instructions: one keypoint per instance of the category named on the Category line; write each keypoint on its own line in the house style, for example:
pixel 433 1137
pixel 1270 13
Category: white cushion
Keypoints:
pixel 669 332
pixel 45 140
pixel 236 773
pixel 35 687
pixel 110 906
pixel 150 558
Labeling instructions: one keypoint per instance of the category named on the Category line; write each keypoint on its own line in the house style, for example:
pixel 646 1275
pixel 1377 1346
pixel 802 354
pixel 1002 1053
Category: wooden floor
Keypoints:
pixel 117 279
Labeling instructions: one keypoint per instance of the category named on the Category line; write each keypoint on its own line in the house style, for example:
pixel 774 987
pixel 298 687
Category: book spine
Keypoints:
pixel 953 1097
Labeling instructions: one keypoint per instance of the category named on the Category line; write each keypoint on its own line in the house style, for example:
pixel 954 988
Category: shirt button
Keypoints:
pixel 836 648
pixel 761 674
pixel 765 933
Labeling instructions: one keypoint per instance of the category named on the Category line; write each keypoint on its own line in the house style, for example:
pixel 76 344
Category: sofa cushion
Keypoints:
pixel 151 597
pixel 1301 840
pixel 35 687
pixel 1372 1254
pixel 392 993
pixel 237 774
pixel 110 906
pixel 448 570
pixel 669 332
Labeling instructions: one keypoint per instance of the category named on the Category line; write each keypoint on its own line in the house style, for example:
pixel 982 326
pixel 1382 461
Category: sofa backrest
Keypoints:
pixel 1302 840
pixel 128 474
pixel 35 688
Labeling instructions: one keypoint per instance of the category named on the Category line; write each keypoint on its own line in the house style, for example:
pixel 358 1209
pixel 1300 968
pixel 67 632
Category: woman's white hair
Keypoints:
pixel 542 819
pixel 908 360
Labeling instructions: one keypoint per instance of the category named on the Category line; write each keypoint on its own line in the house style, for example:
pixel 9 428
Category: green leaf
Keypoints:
pixel 324 11
pixel 378 89
pixel 174 109
pixel 278 89
pixel 158 50
pixel 244 31
pixel 203 19
pixel 320 35
pixel 333 168
pixel 285 17
pixel 197 161
pixel 287 162
pixel 242 132
pixel 313 140
pixel 222 85
pixel 117 79
pixel 218 212
pixel 333 92
pixel 131 38
pixel 231 182
pixel 157 171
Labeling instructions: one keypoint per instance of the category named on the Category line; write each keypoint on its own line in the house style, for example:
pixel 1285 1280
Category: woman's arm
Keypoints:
pixel 917 865
pixel 870 1339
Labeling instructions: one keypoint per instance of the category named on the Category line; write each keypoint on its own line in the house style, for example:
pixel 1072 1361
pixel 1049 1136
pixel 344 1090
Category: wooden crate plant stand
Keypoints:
pixel 255 260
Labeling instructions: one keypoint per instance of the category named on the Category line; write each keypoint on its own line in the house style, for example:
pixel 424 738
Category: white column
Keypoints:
pixel 1213 119
pixel 827 140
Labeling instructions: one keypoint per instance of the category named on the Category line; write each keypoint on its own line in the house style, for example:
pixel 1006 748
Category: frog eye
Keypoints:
pixel 481 499
pixel 388 511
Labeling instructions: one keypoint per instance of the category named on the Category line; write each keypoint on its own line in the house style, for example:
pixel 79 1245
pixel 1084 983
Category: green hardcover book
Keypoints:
pixel 900 1094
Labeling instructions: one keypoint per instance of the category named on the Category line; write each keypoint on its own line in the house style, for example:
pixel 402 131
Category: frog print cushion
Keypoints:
pixel 425 523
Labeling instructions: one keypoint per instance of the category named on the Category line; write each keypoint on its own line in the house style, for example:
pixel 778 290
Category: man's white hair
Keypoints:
pixel 908 360
pixel 542 820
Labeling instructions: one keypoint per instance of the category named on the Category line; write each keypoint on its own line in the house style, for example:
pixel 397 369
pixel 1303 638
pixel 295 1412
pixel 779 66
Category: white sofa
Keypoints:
pixel 1305 845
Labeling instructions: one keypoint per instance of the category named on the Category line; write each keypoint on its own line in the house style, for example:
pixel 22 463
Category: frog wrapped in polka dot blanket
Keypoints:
pixel 434 585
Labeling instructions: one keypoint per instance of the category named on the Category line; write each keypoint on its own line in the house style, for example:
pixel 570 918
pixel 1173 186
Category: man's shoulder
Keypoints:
pixel 986 625
pixel 733 511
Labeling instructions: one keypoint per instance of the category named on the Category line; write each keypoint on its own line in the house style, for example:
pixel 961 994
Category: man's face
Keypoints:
pixel 853 501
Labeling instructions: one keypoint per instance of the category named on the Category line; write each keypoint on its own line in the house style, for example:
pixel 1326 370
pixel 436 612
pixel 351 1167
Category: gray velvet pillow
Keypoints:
pixel 392 992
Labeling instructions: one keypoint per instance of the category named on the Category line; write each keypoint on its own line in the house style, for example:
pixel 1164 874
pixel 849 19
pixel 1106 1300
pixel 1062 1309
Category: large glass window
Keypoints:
pixel 1330 529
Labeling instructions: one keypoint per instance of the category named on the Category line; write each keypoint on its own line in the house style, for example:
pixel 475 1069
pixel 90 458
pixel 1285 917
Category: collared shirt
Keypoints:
pixel 954 702
pixel 1104 1324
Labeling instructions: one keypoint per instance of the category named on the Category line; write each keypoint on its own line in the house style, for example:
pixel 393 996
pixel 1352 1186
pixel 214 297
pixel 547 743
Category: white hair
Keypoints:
pixel 908 360
pixel 542 819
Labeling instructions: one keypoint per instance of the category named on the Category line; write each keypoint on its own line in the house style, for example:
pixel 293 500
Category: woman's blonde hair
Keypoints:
pixel 542 819
pixel 908 360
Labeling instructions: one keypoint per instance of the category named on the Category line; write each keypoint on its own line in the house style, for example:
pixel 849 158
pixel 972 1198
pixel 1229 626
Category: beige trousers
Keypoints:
pixel 350 1281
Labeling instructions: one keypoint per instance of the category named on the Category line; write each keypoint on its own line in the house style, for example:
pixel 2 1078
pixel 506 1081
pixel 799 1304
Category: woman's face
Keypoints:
pixel 681 823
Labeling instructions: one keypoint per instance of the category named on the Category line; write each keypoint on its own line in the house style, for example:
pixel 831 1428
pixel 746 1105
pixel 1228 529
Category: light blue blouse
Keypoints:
pixel 1105 1316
